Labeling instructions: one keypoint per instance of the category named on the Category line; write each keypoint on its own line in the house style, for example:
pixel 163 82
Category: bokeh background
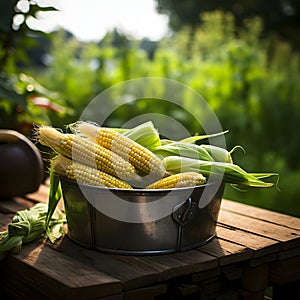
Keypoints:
pixel 242 57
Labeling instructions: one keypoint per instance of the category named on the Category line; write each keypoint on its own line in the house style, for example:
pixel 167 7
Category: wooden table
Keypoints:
pixel 254 249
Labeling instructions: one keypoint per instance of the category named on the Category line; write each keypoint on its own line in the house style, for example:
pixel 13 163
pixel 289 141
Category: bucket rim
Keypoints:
pixel 140 190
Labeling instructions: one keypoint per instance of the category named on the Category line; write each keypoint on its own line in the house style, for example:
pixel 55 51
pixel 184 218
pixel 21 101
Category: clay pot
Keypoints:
pixel 21 165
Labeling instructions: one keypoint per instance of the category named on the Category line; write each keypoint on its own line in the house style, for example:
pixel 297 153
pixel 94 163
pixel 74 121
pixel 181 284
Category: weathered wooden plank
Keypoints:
pixel 290 237
pixel 41 195
pixel 199 276
pixel 226 252
pixel 184 289
pixel 262 260
pixel 285 271
pixel 210 288
pixel 182 263
pixel 229 294
pixel 246 295
pixel 148 292
pixel 134 272
pixel 4 221
pixel 113 297
pixel 14 204
pixel 22 291
pixel 282 255
pixel 261 214
pixel 255 279
pixel 232 272
pixel 131 271
pixel 15 288
pixel 261 245
pixel 60 276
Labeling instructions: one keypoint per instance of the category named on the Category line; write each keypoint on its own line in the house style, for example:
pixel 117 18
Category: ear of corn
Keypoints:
pixel 217 153
pixel 227 172
pixel 145 161
pixel 86 152
pixel 186 179
pixel 85 174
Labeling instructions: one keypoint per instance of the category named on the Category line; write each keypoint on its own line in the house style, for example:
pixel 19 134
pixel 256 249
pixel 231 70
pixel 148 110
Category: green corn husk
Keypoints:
pixel 218 153
pixel 183 149
pixel 148 136
pixel 202 152
pixel 55 194
pixel 54 231
pixel 11 244
pixel 227 172
pixel 145 134
pixel 196 138
pixel 29 225
pixel 187 148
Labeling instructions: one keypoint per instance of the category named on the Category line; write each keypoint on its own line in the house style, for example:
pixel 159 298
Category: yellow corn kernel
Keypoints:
pixel 86 152
pixel 85 174
pixel 145 161
pixel 186 179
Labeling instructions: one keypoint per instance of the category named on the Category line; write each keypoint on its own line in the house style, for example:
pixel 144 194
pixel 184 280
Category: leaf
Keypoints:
pixel 35 9
pixel 196 138
pixel 7 91
pixel 183 149
pixel 55 232
pixel 228 172
pixel 145 134
pixel 236 148
pixel 11 243
pixel 37 88
pixel 55 194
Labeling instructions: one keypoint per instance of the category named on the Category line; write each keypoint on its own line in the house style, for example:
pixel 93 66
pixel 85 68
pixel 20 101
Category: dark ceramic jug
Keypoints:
pixel 21 165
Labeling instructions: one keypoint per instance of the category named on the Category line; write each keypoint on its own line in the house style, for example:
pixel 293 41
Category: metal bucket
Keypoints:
pixel 186 224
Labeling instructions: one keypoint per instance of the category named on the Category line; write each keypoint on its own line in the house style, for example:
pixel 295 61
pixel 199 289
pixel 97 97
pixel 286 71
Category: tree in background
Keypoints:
pixel 280 16
pixel 22 99
pixel 15 34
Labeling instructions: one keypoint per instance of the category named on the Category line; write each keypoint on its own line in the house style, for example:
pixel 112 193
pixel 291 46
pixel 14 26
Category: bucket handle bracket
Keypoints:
pixel 181 211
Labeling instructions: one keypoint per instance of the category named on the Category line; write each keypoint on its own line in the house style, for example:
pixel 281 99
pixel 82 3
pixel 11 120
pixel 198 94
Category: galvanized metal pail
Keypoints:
pixel 184 225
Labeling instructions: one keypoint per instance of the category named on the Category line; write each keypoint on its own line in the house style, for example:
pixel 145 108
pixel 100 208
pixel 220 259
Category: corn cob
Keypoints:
pixel 145 161
pixel 86 152
pixel 85 174
pixel 178 180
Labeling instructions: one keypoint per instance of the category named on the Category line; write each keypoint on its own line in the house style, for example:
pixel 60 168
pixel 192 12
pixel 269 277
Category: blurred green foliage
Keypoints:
pixel 23 101
pixel 251 84
pixel 280 17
